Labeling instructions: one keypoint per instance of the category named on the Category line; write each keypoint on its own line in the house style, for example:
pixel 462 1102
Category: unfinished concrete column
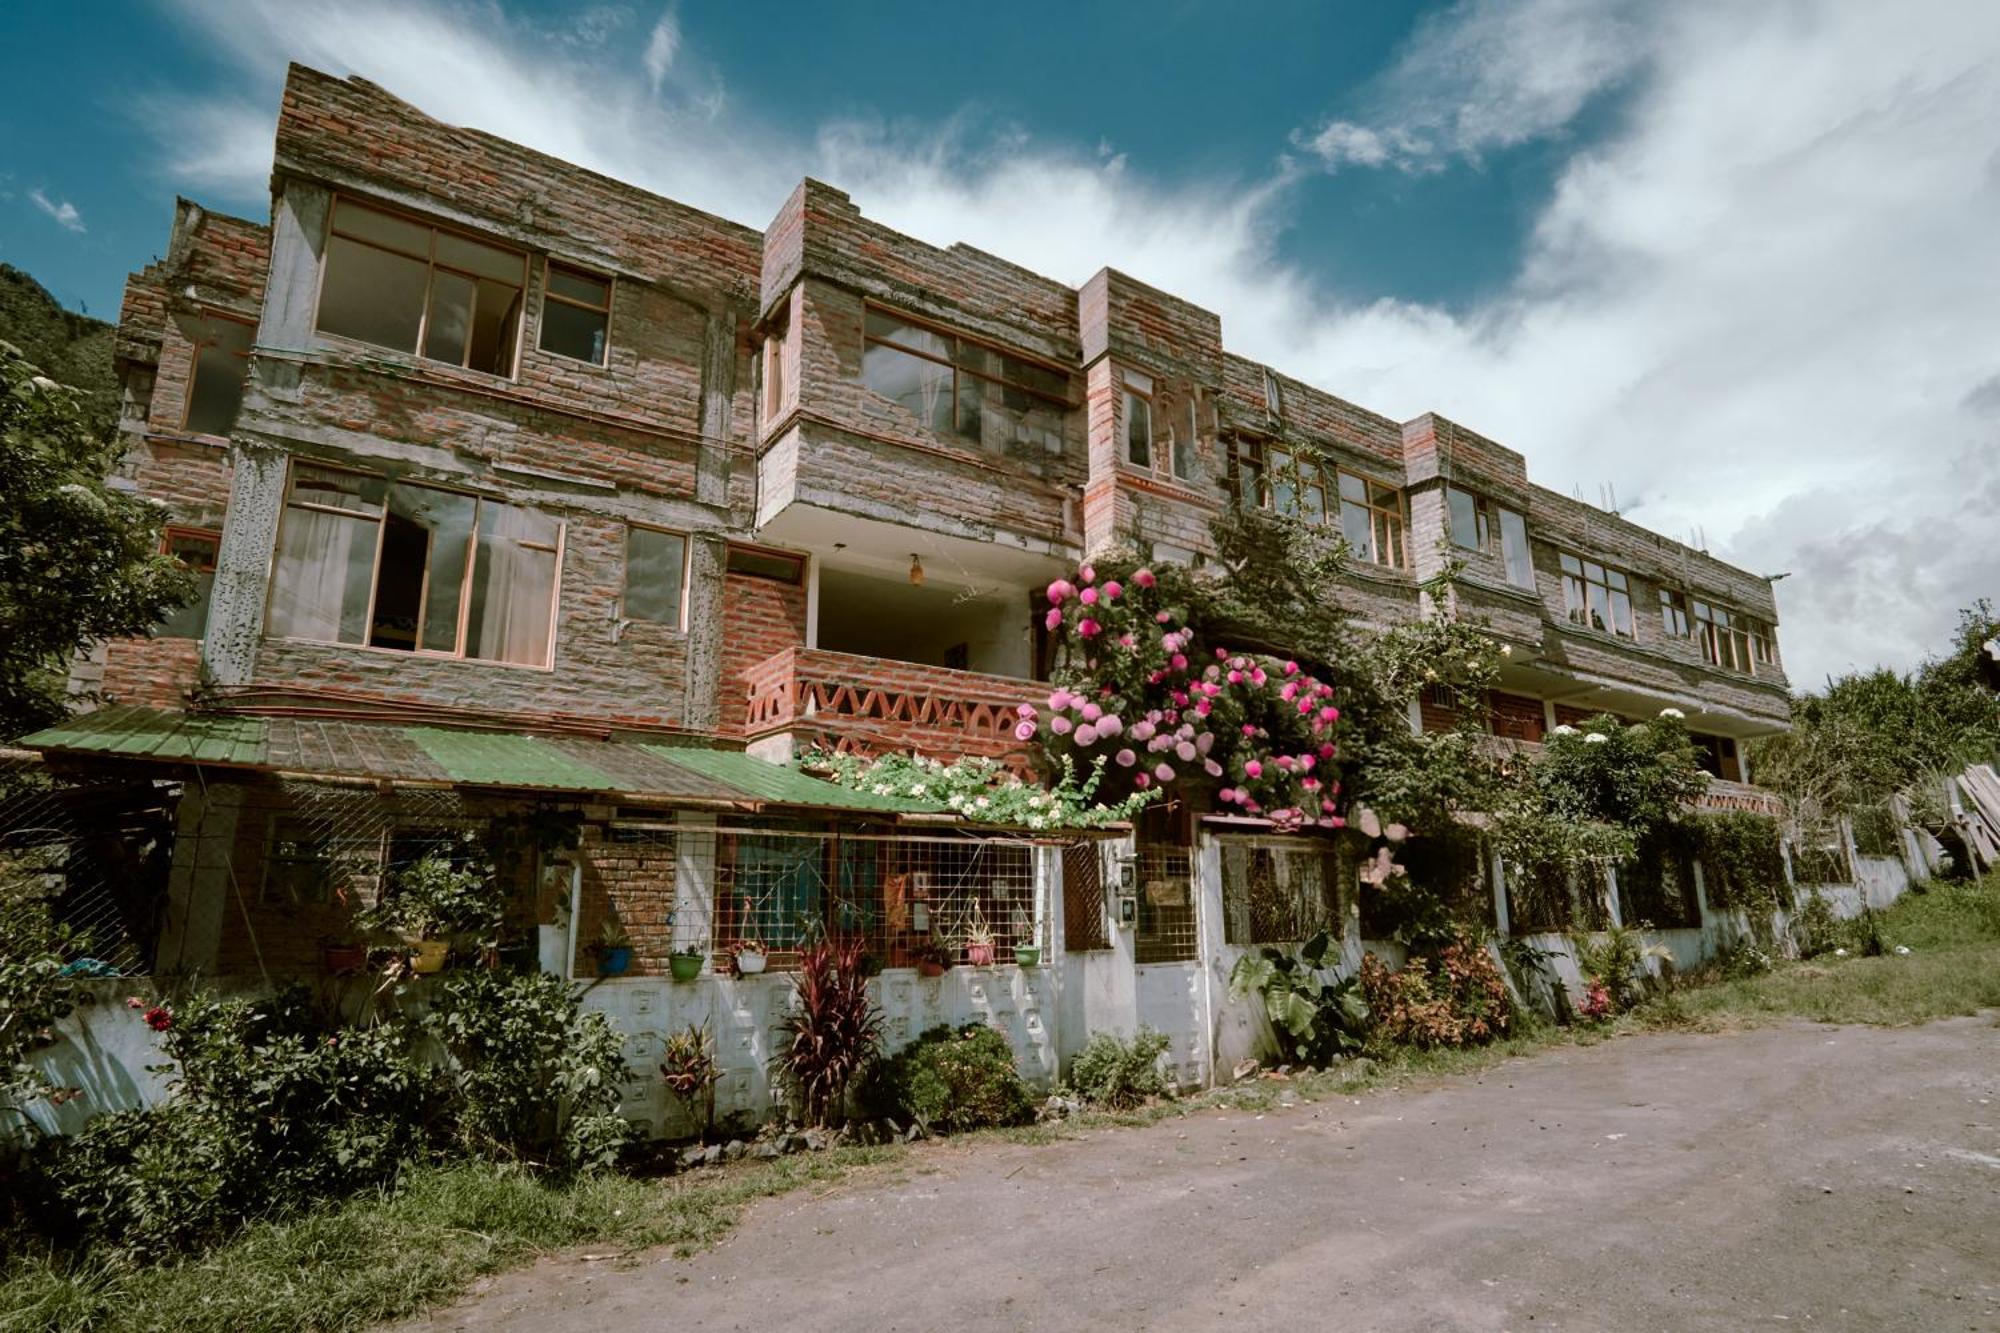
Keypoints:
pixel 198 888
pixel 702 686
pixel 249 534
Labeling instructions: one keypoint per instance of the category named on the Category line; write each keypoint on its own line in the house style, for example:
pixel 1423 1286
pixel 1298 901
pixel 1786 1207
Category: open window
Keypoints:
pixel 413 568
pixel 412 287
pixel 221 365
pixel 197 548
pixel 576 314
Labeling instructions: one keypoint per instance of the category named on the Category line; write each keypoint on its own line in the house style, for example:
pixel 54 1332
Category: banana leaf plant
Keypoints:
pixel 1315 1019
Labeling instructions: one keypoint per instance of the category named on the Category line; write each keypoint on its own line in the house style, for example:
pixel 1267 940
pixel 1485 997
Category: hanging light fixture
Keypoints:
pixel 916 571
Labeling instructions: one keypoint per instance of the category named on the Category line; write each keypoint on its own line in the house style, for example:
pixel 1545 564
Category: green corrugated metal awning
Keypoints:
pixel 384 751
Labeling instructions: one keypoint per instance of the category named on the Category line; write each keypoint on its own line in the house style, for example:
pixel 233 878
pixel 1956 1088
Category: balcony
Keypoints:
pixel 804 698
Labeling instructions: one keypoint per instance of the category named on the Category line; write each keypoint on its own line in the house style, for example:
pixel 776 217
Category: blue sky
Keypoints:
pixel 1734 260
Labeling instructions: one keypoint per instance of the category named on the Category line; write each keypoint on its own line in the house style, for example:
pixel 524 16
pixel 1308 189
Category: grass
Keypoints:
pixel 382 1256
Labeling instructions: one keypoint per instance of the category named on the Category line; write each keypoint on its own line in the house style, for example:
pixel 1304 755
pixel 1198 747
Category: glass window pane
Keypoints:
pixel 1616 580
pixel 496 318
pixel 479 259
pixel 1621 613
pixel 1514 546
pixel 1314 498
pixel 386 229
pixel 924 388
pixel 655 570
pixel 1353 488
pixel 372 295
pixel 1356 527
pixel 221 363
pixel 513 585
pixel 450 323
pixel 1389 540
pixel 421 576
pixel 572 331
pixel 1600 606
pixel 1384 497
pixel 320 580
pixel 338 490
pixel 908 335
pixel 1571 565
pixel 1464 518
pixel 971 399
pixel 1052 383
pixel 1138 382
pixel 1138 430
pixel 196 550
pixel 577 286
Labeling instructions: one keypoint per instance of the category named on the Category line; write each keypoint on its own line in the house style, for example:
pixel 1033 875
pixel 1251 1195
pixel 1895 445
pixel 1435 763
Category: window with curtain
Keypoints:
pixel 1597 597
pixel 398 565
pixel 955 386
pixel 1514 549
pixel 411 287
pixel 655 575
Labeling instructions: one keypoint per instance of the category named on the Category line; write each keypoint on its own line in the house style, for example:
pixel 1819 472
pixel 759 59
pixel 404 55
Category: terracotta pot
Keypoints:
pixel 341 959
pixel 979 955
pixel 930 969
pixel 428 956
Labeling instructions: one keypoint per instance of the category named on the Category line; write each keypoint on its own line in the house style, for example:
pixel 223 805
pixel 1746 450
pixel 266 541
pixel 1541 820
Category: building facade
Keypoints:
pixel 499 472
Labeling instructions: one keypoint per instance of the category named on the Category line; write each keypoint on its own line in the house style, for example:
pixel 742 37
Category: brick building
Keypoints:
pixel 514 480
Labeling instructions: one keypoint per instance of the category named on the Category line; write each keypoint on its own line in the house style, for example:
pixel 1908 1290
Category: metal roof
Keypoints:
pixel 382 751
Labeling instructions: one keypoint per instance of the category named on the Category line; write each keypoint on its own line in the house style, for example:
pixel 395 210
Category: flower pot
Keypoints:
pixel 1028 955
pixel 686 966
pixel 428 956
pixel 614 961
pixel 750 964
pixel 342 959
pixel 930 969
pixel 979 955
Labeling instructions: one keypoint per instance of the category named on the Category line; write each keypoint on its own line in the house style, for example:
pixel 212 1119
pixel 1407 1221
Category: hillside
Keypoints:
pixel 73 348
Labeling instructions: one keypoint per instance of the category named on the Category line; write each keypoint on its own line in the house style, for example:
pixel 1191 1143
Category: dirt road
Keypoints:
pixel 1831 1177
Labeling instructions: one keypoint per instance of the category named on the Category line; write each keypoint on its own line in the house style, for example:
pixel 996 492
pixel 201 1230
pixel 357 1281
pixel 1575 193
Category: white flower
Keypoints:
pixel 1506 650
pixel 981 803
pixel 1840 953
pixel 1595 738
pixel 1674 713
pixel 1564 730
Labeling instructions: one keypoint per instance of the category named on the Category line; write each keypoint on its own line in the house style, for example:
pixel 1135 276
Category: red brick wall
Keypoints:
pixel 760 618
pixel 631 882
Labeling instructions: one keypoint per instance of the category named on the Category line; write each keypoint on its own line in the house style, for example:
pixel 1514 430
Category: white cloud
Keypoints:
pixel 660 48
pixel 63 211
pixel 1762 306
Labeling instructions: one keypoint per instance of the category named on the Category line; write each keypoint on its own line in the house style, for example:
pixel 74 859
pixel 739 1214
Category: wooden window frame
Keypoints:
pixel 1138 388
pixel 1578 611
pixel 430 275
pixel 380 517
pixel 687 574
pixel 796 559
pixel 549 293
pixel 1486 527
pixel 194 366
pixel 1065 403
pixel 1254 455
pixel 1501 513
pixel 1675 622
pixel 1744 635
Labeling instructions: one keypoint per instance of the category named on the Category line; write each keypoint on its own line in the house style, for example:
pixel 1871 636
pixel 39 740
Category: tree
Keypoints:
pixel 79 561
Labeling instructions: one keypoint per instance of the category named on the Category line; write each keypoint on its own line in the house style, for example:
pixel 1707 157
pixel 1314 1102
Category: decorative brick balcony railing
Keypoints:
pixel 872 705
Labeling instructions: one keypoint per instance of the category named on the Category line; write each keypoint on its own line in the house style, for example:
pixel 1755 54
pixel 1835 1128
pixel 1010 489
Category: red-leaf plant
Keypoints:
pixel 1139 690
pixel 832 1031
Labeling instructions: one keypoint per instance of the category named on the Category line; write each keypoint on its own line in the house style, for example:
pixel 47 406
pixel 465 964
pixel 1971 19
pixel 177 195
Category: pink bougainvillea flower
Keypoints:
pixel 1110 724
pixel 1284 763
pixel 1178 661
pixel 1126 758
pixel 1061 591
pixel 1185 752
pixel 1291 668
pixel 1235 677
pixel 134 1002
pixel 1227 796
pixel 1253 769
pixel 1257 676
pixel 1141 781
pixel 1289 693
pixel 1060 699
pixel 1204 708
pixel 1024 710
pixel 1088 573
pixel 1086 735
pixel 1164 773
pixel 1091 712
pixel 1088 628
pixel 1144 578
pixel 1112 587
pixel 1203 741
pixel 1024 732
pixel 1060 725
pixel 1326 750
pixel 1088 597
pixel 1163 618
pixel 1052 619
pixel 1310 784
pixel 1213 769
pixel 1249 730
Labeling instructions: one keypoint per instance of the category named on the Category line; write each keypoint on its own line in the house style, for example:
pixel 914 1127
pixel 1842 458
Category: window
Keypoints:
pixel 954 386
pixel 1138 419
pixel 1279 892
pixel 1371 518
pixel 414 568
pixel 1470 526
pixel 1514 549
pixel 298 864
pixel 221 364
pixel 576 314
pixel 197 549
pixel 412 287
pixel 1274 398
pixel 655 575
pixel 759 563
pixel 1673 614
pixel 774 377
pixel 1184 441
pixel 1597 597
pixel 1732 640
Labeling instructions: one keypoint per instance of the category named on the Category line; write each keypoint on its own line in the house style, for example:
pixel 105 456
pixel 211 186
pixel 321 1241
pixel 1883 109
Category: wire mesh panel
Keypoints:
pixel 1279 890
pixel 1083 898
pixel 1166 928
pixel 901 895
pixel 1656 887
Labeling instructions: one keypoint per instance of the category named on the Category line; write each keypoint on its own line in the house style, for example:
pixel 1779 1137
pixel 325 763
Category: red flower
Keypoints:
pixel 159 1018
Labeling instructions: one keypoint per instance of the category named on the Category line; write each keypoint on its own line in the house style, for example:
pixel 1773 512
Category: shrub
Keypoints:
pixel 951 1079
pixel 34 992
pixel 1114 1073
pixel 1315 1020
pixel 1456 997
pixel 1814 929
pixel 832 1031
pixel 1615 960
pixel 534 1076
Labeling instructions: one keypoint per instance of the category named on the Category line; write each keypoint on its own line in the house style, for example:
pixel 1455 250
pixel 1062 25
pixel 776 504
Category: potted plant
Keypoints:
pixel 613 949
pixel 979 941
pixel 433 900
pixel 1027 955
pixel 341 956
pixel 932 957
pixel 750 958
pixel 686 962
pixel 689 1066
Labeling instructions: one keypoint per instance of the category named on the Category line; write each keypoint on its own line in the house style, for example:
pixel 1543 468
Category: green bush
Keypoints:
pixel 1118 1074
pixel 951 1079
